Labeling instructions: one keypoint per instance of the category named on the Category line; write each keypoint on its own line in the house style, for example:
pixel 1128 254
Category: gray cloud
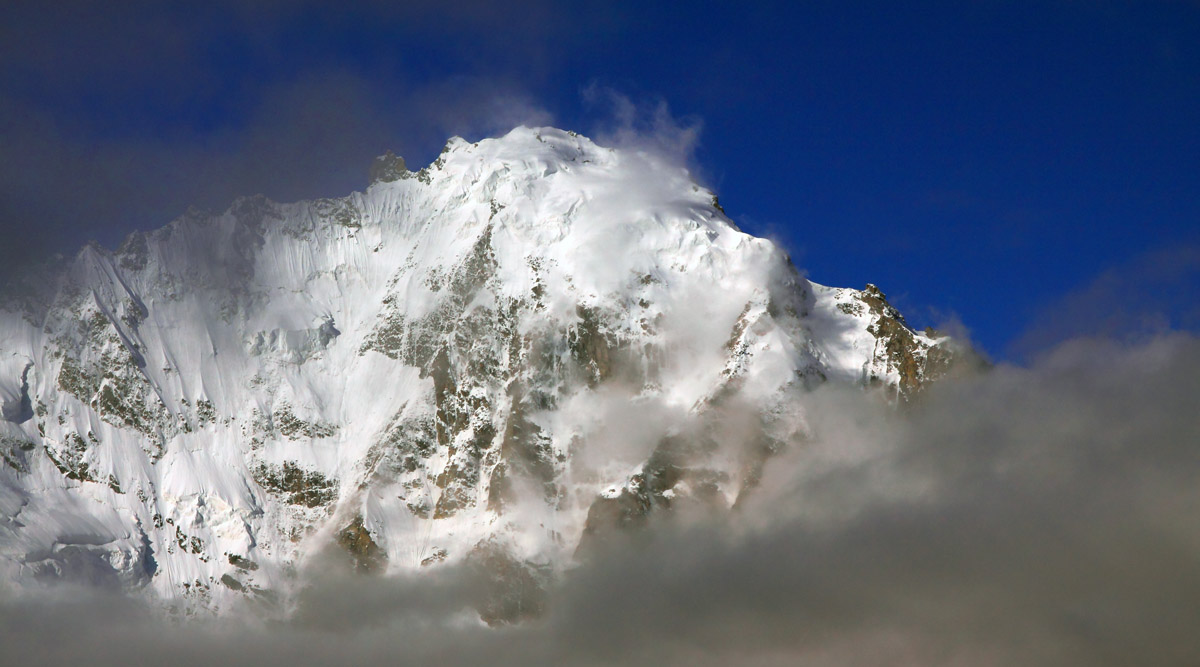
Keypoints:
pixel 1039 515
pixel 120 118
pixel 306 138
pixel 1027 516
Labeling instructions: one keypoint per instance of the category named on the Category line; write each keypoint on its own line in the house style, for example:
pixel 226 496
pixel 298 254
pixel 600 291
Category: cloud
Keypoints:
pixel 311 137
pixel 1028 515
pixel 1039 515
pixel 646 125
pixel 110 126
pixel 1148 295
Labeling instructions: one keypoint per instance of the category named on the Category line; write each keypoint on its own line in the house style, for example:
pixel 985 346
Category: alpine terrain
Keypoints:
pixel 494 361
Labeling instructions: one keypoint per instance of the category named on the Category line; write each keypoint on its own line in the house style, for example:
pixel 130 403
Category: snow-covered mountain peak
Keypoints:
pixel 530 340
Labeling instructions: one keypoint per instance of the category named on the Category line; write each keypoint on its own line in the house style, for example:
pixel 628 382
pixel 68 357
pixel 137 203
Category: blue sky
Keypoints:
pixel 1031 169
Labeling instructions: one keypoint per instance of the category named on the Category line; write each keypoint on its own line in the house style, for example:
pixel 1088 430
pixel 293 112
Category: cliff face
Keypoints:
pixel 529 342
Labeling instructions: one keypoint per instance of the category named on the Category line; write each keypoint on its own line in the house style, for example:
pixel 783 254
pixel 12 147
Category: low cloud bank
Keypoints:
pixel 1030 515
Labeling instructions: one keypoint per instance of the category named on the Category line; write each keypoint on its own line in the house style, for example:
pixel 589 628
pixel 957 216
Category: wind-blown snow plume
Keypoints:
pixel 644 125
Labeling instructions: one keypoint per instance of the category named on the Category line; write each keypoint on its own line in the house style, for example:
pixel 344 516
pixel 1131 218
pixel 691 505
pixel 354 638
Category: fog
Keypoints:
pixel 1044 514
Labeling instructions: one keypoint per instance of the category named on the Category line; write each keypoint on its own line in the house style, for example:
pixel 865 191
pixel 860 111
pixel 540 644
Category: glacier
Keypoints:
pixel 494 359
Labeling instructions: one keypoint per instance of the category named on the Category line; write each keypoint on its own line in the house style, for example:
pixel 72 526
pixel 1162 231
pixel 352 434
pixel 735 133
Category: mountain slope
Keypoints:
pixel 529 342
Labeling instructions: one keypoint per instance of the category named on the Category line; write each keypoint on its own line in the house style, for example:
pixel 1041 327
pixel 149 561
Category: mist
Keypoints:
pixel 1043 514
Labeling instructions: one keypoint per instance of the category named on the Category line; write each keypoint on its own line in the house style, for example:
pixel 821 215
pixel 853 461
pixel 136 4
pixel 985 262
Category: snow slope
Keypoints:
pixel 531 340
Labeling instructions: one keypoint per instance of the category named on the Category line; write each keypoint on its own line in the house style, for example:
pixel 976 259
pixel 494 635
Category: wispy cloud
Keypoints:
pixel 643 125
pixel 110 126
pixel 1151 294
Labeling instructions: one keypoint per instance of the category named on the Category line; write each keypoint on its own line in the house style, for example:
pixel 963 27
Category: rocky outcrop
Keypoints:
pixel 916 360
pixel 365 554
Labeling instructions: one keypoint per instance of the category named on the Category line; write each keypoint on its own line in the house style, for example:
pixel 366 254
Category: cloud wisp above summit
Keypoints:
pixel 644 124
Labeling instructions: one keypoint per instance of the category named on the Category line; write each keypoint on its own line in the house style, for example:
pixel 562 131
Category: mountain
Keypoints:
pixel 494 360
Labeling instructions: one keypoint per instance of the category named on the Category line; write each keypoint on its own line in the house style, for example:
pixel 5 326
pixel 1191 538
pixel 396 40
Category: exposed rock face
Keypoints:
pixel 296 485
pixel 916 358
pixel 368 558
pixel 900 360
pixel 388 168
pixel 531 342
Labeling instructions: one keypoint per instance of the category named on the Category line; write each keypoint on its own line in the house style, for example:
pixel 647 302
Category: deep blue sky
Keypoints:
pixel 1031 168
